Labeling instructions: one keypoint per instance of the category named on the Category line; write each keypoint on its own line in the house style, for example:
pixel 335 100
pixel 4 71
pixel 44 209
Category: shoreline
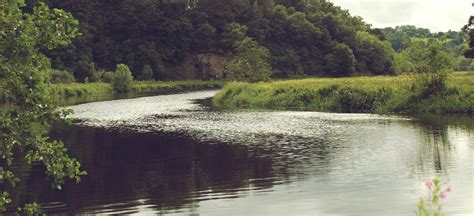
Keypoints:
pixel 377 95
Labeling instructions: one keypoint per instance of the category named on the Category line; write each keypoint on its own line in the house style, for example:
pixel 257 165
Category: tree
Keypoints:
pixel 122 79
pixel 251 64
pixel 146 74
pixel 233 32
pixel 372 55
pixel 431 64
pixel 163 34
pixel 470 31
pixel 203 37
pixel 341 61
pixel 24 69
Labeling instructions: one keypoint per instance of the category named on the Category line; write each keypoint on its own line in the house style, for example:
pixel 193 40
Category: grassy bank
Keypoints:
pixel 357 94
pixel 92 89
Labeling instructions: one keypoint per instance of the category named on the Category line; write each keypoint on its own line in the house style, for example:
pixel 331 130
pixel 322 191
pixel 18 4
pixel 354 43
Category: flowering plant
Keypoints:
pixel 432 206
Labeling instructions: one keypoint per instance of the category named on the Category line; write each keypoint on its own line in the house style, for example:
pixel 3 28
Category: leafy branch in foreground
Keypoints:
pixel 24 125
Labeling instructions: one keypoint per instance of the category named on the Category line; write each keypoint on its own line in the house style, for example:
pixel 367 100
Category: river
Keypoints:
pixel 173 154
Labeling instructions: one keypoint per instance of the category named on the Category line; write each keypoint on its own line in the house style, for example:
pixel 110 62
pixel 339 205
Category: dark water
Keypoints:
pixel 172 155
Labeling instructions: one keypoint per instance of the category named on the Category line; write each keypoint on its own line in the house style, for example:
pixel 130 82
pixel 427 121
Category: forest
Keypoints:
pixel 301 37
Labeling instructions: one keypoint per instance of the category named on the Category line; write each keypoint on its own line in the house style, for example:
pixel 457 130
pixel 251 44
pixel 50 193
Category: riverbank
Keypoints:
pixel 158 87
pixel 381 94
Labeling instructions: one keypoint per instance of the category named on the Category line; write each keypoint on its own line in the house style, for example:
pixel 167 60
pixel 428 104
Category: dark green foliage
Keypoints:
pixel 122 79
pixel 24 73
pixel 373 56
pixel 299 34
pixel 469 53
pixel 341 61
pixel 146 74
pixel 233 32
pixel 85 71
pixel 59 76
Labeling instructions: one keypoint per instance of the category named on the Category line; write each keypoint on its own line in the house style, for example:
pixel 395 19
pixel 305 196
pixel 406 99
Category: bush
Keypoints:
pixel 85 71
pixel 61 76
pixel 108 77
pixel 147 73
pixel 103 76
pixel 122 79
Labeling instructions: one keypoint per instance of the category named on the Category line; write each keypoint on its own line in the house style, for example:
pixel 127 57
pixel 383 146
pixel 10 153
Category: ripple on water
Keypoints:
pixel 343 161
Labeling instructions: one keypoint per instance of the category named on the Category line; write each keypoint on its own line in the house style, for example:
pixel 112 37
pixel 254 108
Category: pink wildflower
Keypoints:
pixel 429 184
pixel 442 195
pixel 449 189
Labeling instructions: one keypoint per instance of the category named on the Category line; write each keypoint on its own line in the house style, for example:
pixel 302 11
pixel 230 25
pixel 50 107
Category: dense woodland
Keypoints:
pixel 310 37
pixel 295 37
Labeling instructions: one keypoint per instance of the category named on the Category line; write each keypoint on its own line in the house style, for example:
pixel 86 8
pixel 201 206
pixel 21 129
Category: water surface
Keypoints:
pixel 173 155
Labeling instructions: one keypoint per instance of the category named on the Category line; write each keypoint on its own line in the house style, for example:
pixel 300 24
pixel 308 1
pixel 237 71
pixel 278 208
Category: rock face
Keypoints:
pixel 206 66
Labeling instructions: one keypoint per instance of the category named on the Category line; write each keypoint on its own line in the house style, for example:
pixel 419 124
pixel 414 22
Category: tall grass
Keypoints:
pixel 379 94
pixel 91 89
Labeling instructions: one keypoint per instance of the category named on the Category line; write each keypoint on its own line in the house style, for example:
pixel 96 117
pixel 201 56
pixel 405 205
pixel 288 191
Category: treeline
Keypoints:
pixel 402 38
pixel 303 37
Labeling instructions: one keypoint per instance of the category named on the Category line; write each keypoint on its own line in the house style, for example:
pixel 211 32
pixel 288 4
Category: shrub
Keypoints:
pixel 108 77
pixel 146 74
pixel 103 76
pixel 122 79
pixel 61 76
pixel 85 71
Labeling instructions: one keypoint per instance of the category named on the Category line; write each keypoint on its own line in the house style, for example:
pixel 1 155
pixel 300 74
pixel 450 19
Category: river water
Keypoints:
pixel 172 154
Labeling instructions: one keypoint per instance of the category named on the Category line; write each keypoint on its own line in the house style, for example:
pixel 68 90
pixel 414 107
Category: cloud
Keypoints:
pixel 437 15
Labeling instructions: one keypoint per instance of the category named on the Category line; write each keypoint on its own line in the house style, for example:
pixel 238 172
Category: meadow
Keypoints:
pixel 376 94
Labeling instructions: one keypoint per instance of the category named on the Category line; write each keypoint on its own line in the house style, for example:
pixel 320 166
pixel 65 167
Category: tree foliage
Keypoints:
pixel 373 55
pixel 341 62
pixel 146 74
pixel 469 53
pixel 25 70
pixel 299 34
pixel 122 79
pixel 251 64
pixel 431 64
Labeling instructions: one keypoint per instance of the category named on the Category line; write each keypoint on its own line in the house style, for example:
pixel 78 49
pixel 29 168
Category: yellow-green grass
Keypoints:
pixel 379 94
pixel 93 89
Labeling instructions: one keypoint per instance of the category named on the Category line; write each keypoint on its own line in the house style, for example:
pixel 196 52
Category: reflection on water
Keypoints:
pixel 169 154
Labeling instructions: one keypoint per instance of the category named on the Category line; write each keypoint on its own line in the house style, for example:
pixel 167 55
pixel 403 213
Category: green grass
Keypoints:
pixel 93 89
pixel 381 94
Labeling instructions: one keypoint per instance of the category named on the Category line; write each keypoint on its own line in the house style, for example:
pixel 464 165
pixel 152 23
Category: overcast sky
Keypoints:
pixel 437 15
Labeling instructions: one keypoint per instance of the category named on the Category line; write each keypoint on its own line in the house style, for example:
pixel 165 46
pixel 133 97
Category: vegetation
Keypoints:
pixel 58 76
pixel 431 206
pixel 379 94
pixel 455 44
pixel 122 79
pixel 24 69
pixel 300 35
pixel 147 73
pixel 426 91
pixel 469 52
pixel 251 64
pixel 100 88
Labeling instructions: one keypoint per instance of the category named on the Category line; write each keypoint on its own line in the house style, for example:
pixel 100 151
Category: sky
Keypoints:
pixel 437 15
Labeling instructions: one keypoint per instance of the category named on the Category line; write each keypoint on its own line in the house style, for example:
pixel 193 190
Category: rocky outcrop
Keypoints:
pixel 206 66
